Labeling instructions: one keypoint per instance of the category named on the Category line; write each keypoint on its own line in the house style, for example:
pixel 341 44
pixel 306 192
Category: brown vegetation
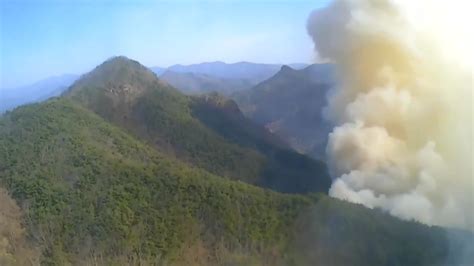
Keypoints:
pixel 14 249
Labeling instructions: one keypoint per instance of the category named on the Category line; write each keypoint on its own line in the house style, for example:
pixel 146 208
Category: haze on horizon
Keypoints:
pixel 40 39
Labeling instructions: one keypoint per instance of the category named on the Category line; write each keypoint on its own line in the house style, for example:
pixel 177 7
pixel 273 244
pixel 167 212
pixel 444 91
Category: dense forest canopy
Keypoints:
pixel 94 190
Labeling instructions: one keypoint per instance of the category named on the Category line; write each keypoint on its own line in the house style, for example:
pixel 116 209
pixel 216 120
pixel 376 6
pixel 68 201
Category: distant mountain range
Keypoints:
pixel 197 83
pixel 241 70
pixel 39 91
pixel 218 76
pixel 290 105
pixel 190 79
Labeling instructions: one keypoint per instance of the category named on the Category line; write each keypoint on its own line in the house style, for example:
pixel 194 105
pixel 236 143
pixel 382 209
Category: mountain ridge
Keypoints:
pixel 55 85
pixel 290 104
pixel 255 72
pixel 169 120
pixel 197 83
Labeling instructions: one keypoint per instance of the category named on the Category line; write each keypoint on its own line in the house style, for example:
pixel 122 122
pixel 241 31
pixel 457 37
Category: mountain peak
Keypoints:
pixel 118 70
pixel 121 62
pixel 120 78
pixel 286 71
pixel 286 68
pixel 118 58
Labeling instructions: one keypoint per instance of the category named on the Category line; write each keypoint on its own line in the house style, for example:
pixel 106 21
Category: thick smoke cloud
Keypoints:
pixel 403 107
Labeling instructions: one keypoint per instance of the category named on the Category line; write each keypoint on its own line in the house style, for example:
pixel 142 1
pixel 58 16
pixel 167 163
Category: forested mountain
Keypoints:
pixel 93 194
pixel 130 96
pixel 125 170
pixel 290 104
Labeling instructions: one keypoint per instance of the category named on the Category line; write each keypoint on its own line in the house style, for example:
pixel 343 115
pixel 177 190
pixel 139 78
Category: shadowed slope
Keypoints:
pixel 130 96
pixel 290 104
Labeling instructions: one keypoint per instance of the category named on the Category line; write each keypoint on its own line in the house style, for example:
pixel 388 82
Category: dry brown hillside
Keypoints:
pixel 14 249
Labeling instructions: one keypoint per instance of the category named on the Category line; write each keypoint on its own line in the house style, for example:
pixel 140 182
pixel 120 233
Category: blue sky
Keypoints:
pixel 45 38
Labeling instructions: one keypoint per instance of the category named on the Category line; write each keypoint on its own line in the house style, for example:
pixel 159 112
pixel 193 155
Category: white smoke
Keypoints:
pixel 403 107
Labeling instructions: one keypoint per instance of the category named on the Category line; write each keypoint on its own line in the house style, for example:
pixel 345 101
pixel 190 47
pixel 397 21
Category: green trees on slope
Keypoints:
pixel 91 193
pixel 91 189
pixel 125 170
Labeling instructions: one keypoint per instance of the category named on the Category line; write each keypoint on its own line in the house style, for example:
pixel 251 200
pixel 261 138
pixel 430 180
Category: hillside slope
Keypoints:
pixel 290 105
pixel 129 95
pixel 93 191
pixel 93 194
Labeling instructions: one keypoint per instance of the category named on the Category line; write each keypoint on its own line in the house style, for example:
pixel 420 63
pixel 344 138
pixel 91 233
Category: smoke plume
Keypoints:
pixel 403 106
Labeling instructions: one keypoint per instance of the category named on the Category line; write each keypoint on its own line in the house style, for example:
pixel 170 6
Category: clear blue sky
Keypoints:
pixel 51 37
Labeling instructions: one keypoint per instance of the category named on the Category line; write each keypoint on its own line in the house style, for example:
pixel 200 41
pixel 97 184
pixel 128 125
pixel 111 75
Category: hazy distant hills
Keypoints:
pixel 197 83
pixel 158 70
pixel 190 79
pixel 218 76
pixel 123 169
pixel 241 70
pixel 39 91
pixel 290 105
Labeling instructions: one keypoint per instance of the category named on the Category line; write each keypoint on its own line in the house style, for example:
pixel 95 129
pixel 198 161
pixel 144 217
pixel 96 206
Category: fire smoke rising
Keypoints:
pixel 403 106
